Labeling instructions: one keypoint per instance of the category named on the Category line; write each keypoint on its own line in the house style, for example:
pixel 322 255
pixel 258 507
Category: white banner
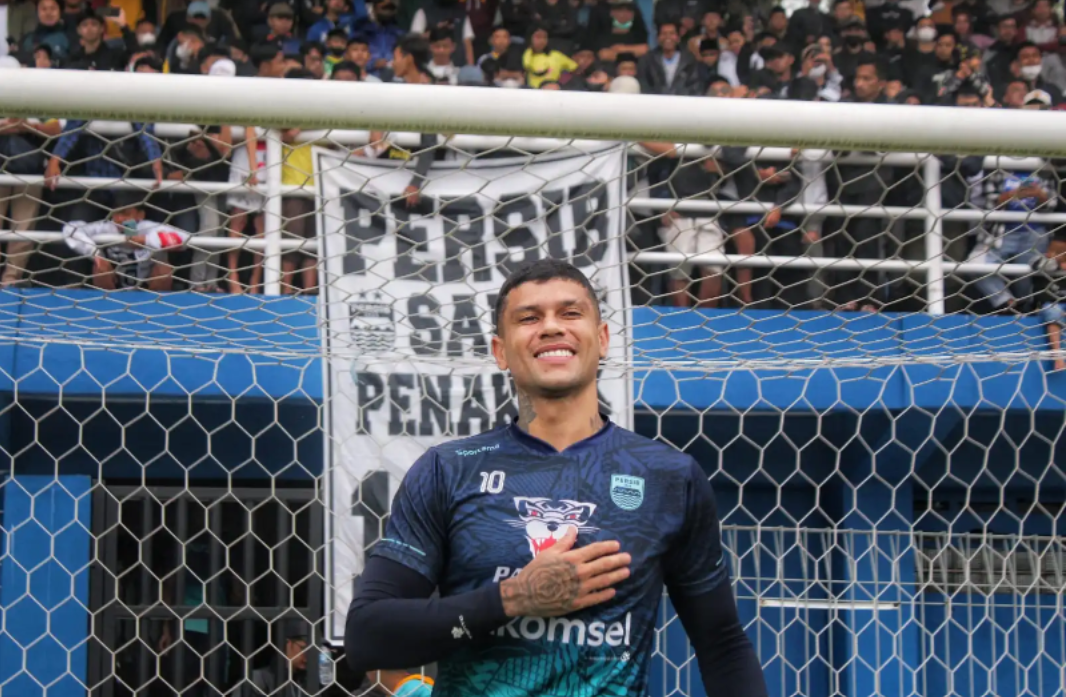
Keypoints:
pixel 408 293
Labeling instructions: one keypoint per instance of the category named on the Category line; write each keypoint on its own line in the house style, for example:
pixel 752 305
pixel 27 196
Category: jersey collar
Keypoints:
pixel 539 445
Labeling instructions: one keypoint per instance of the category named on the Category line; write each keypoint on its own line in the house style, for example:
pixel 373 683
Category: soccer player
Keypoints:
pixel 549 539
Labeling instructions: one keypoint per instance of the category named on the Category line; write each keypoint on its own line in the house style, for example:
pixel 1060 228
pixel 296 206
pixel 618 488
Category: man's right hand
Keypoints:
pixel 561 580
pixel 51 173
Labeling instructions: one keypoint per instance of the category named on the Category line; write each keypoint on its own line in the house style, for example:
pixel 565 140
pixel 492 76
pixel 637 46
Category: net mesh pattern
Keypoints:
pixel 862 351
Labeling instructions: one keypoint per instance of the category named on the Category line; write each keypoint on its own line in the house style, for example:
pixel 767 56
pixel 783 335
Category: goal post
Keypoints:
pixel 192 479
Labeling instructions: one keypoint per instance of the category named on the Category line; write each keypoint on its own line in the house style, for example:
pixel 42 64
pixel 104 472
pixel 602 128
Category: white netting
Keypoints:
pixel 193 475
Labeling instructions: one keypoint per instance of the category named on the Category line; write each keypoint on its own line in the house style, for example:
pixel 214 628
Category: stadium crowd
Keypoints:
pixel 966 53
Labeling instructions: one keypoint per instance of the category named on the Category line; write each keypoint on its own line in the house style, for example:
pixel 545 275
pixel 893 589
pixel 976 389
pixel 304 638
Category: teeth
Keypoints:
pixel 560 353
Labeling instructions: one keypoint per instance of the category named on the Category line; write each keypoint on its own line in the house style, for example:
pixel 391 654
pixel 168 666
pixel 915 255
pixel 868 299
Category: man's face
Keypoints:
pixel 712 21
pixel 962 24
pixel 280 25
pixel 778 65
pixel 895 37
pixel 401 62
pixel 90 30
pixel 584 59
pixel 709 58
pixel 336 6
pixel 296 652
pixel 385 11
pixel 842 11
pixel 344 76
pixel 1007 30
pixel 778 22
pixel 336 45
pixel 1014 95
pixel 360 54
pixel 945 47
pixel 500 41
pixel 967 100
pixel 551 338
pixel 622 15
pixel 442 51
pixel 314 62
pixel 668 37
pixel 720 89
pixel 1041 10
pixel 133 213
pixel 628 68
pixel 41 59
pixel 48 12
pixel 275 67
pixel 1030 55
pixel 867 84
pixel 735 40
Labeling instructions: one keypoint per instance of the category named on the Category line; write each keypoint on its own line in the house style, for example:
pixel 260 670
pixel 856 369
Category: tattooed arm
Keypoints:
pixel 394 622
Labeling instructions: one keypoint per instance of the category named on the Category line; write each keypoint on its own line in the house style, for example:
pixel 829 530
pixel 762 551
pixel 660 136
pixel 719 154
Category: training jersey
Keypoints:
pixel 474 511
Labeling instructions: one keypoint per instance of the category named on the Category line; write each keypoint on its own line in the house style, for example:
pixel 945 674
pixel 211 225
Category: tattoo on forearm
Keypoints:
pixel 526 414
pixel 544 589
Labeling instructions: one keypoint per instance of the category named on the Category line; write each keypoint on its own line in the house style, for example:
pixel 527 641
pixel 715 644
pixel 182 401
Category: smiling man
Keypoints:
pixel 549 539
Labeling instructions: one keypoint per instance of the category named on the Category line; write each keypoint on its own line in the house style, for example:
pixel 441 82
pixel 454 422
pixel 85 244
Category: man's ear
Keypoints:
pixel 498 352
pixel 605 339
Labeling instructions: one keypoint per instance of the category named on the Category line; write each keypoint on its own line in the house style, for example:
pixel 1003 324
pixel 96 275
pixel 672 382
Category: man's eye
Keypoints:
pixel 527 318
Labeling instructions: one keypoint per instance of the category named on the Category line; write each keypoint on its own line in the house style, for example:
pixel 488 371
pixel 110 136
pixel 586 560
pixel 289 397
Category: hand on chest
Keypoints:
pixel 506 519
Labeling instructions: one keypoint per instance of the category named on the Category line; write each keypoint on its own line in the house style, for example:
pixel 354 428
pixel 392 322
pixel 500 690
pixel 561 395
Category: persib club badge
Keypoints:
pixel 627 492
pixel 371 322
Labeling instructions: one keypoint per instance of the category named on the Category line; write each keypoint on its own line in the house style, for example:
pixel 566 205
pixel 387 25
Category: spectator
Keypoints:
pixel 667 69
pixel 843 15
pixel 1015 93
pixel 862 185
pixel 140 262
pixel 381 33
pixel 739 58
pixel 978 10
pixel 217 55
pixel 817 66
pixel 575 80
pixel 510 73
pixel 1013 242
pixel 42 57
pixel 777 24
pixel 50 31
pixel 517 16
pixel 337 14
pixel 709 55
pixel 622 34
pixel 92 53
pixel 449 15
pixel 410 61
pixel 265 681
pixel 145 33
pixel 964 29
pixel 710 29
pixel 853 38
pixel 1037 100
pixel 776 74
pixel 894 50
pixel 499 43
pixel 281 20
pixel 297 211
pixel 333 50
pixel 542 64
pixel 921 58
pixel 889 15
pixel 685 14
pixel 1028 65
pixel 1043 27
pixel 346 71
pixel 216 26
pixel 625 65
pixel 184 53
pixel 807 24
pixel 473 76
pixel 358 52
pixel 314 59
pixel 442 48
pixel 559 18
pixel 1000 54
pixel 929 81
pixel 72 12
pixel 600 76
pixel 969 79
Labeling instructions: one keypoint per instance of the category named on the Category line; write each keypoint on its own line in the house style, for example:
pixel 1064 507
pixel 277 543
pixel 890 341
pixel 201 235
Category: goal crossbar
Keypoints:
pixel 317 104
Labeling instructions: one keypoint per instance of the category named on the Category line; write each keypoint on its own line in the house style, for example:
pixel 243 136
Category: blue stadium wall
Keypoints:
pixel 989 428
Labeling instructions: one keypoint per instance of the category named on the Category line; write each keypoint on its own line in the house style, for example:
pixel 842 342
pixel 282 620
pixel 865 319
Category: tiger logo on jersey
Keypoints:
pixel 546 521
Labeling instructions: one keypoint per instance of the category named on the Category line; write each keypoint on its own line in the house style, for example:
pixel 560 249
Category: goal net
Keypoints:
pixel 213 384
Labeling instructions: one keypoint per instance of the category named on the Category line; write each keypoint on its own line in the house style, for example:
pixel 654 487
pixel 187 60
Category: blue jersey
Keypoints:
pixel 475 511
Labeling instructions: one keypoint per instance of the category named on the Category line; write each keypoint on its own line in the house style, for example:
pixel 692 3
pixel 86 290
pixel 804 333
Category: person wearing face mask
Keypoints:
pixel 333 49
pixel 1028 65
pixel 621 31
pixel 853 39
pixel 382 32
pixel 182 56
pixel 336 15
pixel 510 72
pixel 817 66
pixel 922 54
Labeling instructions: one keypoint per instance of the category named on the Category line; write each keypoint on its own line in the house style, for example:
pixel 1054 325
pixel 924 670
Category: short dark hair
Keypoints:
pixel 299 74
pixel 541 271
pixel 309 46
pixel 415 46
pixel 150 60
pixel 194 30
pixel 867 58
pixel 358 39
pixel 967 91
pixel 776 9
pixel 669 23
pixel 337 33
pixel 1026 44
pixel 346 65
pixel 264 52
pixel 625 58
pixel 440 34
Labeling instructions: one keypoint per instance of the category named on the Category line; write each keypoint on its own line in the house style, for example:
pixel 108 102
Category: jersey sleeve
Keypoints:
pixel 695 562
pixel 416 533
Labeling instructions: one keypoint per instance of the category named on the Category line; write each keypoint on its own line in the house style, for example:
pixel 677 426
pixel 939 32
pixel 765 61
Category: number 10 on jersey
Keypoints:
pixel 492 482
